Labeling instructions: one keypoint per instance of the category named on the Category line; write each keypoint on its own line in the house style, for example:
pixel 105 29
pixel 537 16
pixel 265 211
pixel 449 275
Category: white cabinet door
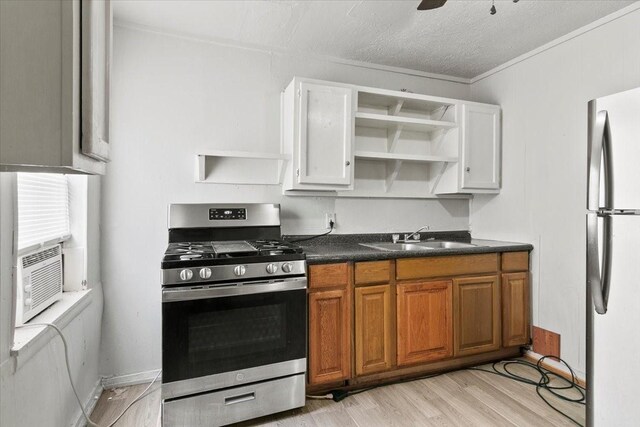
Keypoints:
pixel 40 83
pixel 480 147
pixel 326 135
pixel 96 72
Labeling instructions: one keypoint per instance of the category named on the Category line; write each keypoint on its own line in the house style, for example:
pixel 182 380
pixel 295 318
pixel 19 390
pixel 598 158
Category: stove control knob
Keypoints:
pixel 239 270
pixel 287 267
pixel 272 268
pixel 186 274
pixel 205 273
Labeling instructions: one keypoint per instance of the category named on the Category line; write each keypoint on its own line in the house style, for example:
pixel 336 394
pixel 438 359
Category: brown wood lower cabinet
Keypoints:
pixel 329 336
pixel 425 331
pixel 515 309
pixel 476 306
pixel 381 320
pixel 374 329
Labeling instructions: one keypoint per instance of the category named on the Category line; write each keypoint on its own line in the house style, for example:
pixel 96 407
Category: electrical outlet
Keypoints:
pixel 328 218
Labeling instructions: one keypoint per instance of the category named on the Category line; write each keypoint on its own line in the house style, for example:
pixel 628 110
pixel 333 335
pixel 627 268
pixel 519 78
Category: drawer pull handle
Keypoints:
pixel 240 398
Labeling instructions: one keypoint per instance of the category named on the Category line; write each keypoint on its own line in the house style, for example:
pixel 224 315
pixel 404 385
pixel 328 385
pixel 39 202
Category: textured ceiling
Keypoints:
pixel 460 39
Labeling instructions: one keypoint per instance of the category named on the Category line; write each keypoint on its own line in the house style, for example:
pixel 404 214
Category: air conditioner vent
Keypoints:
pixel 39 282
pixel 46 282
pixel 29 260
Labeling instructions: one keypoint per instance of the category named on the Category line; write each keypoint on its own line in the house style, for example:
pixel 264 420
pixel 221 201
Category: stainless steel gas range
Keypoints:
pixel 234 316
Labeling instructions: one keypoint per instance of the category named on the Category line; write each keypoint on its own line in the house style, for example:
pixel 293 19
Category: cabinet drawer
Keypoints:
pixel 328 276
pixel 417 268
pixel 515 261
pixel 373 272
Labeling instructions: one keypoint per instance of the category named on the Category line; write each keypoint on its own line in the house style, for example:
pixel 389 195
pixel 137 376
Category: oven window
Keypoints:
pixel 211 336
pixel 238 330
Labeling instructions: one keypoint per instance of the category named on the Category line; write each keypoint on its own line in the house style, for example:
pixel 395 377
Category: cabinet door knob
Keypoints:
pixel 468 169
pixel 347 163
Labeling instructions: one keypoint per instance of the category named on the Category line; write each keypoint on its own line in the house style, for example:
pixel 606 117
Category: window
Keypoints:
pixel 43 209
pixel 48 209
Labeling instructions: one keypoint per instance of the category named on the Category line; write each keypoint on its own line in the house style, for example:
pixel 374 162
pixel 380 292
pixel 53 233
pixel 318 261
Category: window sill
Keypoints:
pixel 28 341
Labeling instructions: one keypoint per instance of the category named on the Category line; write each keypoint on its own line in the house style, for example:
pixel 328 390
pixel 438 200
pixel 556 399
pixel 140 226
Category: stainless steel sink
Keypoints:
pixel 442 244
pixel 397 246
pixel 418 246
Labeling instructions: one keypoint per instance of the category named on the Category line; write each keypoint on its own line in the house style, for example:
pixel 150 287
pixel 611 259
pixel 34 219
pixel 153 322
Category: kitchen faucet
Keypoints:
pixel 413 237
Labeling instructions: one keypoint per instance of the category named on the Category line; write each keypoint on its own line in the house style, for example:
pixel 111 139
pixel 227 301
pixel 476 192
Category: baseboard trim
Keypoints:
pixel 129 379
pixel 90 404
pixel 535 357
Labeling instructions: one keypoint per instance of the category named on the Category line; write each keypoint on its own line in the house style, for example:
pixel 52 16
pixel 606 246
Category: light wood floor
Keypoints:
pixel 462 398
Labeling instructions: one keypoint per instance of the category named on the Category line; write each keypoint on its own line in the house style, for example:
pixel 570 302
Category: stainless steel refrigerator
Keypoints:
pixel 613 261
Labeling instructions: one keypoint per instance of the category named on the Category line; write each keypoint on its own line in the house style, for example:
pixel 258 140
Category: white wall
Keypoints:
pixel 544 103
pixel 38 393
pixel 173 96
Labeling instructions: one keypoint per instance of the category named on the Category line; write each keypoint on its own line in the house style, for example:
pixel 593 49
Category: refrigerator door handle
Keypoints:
pixel 598 280
pixel 599 153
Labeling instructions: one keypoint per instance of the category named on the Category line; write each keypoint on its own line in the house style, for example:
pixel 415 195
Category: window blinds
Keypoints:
pixel 43 208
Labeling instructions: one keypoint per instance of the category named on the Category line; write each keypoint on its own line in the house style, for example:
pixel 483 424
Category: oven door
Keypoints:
pixel 226 335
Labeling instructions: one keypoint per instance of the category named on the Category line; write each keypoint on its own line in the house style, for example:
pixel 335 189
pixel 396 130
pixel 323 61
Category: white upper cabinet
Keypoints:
pixel 318 136
pixel 97 24
pixel 326 132
pixel 357 141
pixel 480 148
pixel 54 85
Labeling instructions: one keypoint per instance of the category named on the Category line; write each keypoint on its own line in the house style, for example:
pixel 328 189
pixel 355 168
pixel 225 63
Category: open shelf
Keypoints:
pixel 245 155
pixel 383 121
pixel 372 155
pixel 387 99
pixel 240 167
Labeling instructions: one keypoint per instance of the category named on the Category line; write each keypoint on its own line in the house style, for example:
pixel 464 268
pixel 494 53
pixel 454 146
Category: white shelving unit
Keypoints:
pixel 240 167
pixel 360 141
pixel 404 142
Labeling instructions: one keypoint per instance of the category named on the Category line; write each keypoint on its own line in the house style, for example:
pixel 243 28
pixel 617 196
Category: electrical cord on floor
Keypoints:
pixel 544 383
pixel 338 394
pixel 331 224
pixel 73 387
pixel 140 396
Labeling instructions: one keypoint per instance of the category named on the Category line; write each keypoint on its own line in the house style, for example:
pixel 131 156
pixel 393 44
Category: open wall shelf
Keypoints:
pixel 240 167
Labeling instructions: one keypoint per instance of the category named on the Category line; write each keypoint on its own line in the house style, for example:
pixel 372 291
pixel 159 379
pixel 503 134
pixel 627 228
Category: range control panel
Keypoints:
pixel 216 214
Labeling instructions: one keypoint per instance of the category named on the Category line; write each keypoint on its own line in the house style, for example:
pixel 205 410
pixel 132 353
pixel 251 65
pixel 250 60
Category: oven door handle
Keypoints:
pixel 189 293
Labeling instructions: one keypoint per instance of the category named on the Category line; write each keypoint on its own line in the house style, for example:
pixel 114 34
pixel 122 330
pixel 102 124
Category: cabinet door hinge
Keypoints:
pixel 297 172
pixel 299 93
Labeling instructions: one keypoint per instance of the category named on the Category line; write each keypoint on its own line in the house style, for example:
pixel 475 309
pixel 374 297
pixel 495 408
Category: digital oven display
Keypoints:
pixel 227 214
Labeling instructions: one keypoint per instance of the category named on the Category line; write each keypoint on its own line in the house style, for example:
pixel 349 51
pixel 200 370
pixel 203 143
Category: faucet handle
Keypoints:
pixel 395 238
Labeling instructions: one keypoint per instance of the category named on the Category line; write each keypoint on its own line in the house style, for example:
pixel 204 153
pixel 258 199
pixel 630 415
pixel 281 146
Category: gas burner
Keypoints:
pixel 222 252
pixel 188 251
pixel 271 252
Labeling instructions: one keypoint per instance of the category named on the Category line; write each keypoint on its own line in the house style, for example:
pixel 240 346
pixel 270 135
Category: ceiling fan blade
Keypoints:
pixel 431 4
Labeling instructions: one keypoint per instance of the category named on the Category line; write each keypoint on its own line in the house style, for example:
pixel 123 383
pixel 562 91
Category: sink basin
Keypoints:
pixel 445 245
pixel 397 246
pixel 418 246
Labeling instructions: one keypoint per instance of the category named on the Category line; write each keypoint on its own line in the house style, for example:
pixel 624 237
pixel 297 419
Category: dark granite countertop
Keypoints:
pixel 346 247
